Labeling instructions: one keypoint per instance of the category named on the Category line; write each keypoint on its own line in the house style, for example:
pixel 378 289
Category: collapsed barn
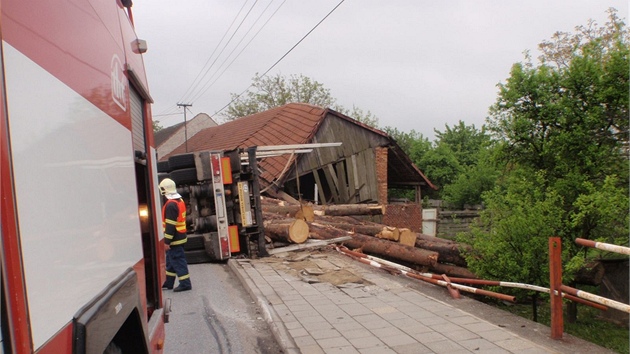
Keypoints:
pixel 362 169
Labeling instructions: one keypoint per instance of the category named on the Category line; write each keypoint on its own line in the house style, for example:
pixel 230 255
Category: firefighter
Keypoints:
pixel 174 226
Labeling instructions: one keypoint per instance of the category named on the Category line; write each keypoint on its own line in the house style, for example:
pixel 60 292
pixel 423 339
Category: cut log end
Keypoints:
pixel 298 231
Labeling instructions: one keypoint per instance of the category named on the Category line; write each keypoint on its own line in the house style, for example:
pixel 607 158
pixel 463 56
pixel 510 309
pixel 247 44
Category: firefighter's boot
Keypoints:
pixel 184 284
pixel 169 283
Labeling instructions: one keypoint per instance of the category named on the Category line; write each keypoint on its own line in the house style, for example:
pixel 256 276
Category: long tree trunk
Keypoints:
pixel 386 232
pixel 393 250
pixel 452 271
pixel 331 210
pixel 376 246
pixel 449 252
pixel 351 209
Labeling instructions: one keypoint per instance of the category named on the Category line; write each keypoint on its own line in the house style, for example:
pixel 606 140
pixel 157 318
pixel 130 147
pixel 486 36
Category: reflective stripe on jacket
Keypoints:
pixel 174 222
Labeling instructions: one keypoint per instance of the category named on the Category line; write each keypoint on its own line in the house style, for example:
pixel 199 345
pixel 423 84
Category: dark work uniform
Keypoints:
pixel 174 224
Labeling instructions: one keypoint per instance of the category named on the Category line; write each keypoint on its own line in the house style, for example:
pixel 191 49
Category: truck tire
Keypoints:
pixel 197 256
pixel 163 166
pixel 184 176
pixel 177 162
pixel 195 242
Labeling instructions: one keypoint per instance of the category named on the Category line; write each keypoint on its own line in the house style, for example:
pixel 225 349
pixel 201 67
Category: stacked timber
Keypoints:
pixel 287 223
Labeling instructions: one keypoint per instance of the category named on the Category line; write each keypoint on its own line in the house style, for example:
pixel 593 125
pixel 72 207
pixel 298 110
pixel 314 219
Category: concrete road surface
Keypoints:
pixel 216 316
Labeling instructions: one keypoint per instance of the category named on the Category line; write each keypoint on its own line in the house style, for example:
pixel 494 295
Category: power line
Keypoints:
pixel 214 51
pixel 279 60
pixel 164 115
pixel 209 84
pixel 226 43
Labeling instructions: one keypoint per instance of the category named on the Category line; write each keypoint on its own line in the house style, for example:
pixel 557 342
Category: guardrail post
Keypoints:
pixel 555 282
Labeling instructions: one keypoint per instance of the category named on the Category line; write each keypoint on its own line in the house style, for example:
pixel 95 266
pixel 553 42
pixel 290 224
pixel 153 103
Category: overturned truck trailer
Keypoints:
pixel 222 195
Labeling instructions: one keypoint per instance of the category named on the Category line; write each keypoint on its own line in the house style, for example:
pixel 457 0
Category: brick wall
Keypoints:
pixel 404 216
pixel 381 173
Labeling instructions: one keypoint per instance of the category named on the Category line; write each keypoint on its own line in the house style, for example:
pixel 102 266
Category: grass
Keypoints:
pixel 589 326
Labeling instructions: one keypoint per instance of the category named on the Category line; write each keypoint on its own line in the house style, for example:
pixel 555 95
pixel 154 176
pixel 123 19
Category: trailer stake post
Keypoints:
pixel 555 282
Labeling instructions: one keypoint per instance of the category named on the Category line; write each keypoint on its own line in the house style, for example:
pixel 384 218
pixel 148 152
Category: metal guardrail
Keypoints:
pixel 555 274
pixel 603 246
pixel 557 290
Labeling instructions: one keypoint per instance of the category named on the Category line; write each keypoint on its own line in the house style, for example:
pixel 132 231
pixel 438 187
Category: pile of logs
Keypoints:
pixel 288 223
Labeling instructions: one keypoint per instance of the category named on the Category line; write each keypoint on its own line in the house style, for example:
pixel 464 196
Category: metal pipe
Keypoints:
pixel 595 298
pixel 506 284
pixel 399 269
pixel 603 246
pixel 585 302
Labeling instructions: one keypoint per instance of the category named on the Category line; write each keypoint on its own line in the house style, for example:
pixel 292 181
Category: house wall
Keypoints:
pixel 381 173
pixel 195 125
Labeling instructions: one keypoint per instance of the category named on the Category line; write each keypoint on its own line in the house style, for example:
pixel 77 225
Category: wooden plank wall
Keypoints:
pixel 350 169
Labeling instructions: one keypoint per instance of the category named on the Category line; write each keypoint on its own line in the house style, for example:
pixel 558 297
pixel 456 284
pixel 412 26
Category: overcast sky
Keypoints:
pixel 415 64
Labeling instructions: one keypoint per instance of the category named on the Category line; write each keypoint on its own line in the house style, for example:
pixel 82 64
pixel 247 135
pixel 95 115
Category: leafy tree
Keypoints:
pixel 412 143
pixel 357 113
pixel 602 212
pixel 511 241
pixel 275 91
pixel 565 122
pixel 157 126
pixel 476 172
pixel 465 141
pixel 440 163
pixel 477 178
pixel 571 120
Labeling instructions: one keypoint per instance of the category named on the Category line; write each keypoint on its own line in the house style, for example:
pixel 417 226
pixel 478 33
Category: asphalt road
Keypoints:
pixel 216 316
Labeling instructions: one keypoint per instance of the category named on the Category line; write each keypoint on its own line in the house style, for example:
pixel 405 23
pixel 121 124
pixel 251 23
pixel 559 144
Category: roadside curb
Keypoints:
pixel 279 330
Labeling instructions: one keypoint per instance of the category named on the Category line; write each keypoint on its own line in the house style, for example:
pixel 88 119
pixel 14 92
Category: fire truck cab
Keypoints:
pixel 80 227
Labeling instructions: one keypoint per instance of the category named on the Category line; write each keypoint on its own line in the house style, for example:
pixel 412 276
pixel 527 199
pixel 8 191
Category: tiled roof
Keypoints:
pixel 163 134
pixel 290 124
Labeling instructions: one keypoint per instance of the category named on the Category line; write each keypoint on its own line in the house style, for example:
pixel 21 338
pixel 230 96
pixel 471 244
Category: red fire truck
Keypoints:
pixel 82 249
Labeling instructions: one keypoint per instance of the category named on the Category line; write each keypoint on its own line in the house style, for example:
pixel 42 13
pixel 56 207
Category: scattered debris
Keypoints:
pixel 308 244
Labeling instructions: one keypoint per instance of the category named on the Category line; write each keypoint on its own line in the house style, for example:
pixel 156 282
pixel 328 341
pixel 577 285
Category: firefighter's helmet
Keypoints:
pixel 167 186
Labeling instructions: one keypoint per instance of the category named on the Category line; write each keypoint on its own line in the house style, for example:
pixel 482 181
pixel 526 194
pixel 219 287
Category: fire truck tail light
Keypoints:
pixel 225 249
pixel 216 165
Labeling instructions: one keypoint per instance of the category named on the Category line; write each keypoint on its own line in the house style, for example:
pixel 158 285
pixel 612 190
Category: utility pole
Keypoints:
pixel 185 105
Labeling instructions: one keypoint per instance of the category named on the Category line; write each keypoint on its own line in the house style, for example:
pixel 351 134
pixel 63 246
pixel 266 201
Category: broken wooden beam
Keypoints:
pixel 308 244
